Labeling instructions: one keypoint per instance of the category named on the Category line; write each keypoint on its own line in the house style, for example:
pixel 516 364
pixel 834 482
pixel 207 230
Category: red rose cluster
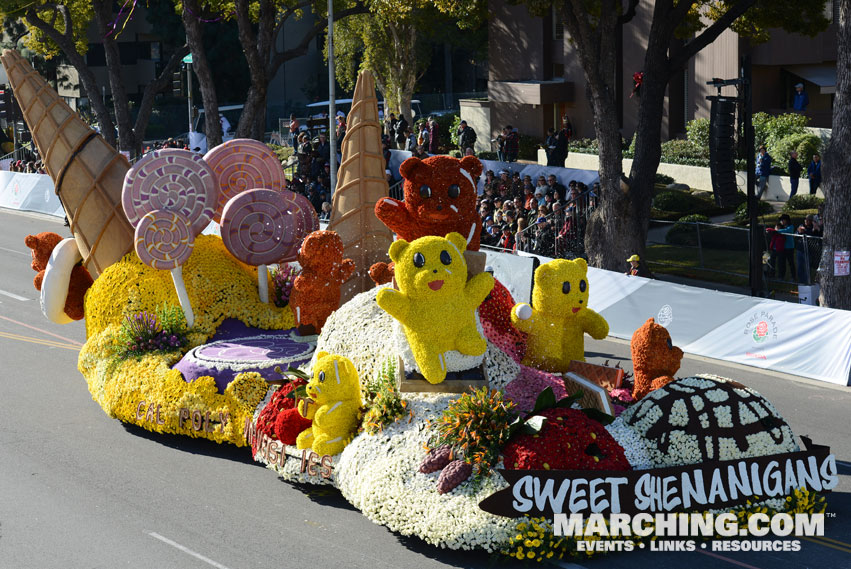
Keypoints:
pixel 279 419
pixel 495 314
pixel 569 440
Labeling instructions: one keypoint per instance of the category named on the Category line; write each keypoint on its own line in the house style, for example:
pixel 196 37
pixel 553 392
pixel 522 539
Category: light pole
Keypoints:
pixel 332 103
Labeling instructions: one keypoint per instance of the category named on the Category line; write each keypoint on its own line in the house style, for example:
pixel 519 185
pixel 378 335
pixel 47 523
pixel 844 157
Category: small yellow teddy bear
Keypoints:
pixel 334 405
pixel 560 318
pixel 435 303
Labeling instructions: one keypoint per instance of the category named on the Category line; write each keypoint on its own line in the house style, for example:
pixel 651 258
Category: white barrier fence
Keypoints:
pixel 808 341
pixel 29 192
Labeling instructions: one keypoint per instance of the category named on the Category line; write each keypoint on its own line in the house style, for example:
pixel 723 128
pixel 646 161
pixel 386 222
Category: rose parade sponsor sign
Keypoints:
pixel 696 487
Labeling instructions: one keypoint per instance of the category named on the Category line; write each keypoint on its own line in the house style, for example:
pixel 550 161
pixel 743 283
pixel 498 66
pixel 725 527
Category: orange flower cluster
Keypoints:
pixel 316 291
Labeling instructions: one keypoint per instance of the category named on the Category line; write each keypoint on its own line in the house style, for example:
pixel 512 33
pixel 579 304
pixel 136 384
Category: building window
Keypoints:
pixel 96 56
pixel 558 26
pixel 558 71
pixel 128 53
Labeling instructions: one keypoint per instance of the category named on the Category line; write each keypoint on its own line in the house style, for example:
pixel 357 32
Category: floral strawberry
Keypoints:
pixel 569 440
pixel 280 401
pixel 495 314
pixel 289 424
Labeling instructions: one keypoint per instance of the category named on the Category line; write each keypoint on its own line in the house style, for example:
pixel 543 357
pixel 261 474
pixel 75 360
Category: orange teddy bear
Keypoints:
pixel 42 246
pixel 316 290
pixel 440 198
pixel 655 359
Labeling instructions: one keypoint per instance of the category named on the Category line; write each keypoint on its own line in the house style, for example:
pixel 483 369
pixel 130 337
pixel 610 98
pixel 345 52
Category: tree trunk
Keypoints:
pixel 194 37
pixel 87 78
pixel 836 290
pixel 613 228
pixel 257 49
pixel 120 104
pixel 252 121
pixel 146 106
pixel 648 142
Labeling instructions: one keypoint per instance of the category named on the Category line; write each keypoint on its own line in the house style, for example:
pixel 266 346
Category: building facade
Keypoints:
pixel 535 76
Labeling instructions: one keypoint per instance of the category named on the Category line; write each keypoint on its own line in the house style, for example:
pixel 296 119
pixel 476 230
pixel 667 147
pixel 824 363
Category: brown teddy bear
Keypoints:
pixel 42 246
pixel 440 198
pixel 655 359
pixel 316 290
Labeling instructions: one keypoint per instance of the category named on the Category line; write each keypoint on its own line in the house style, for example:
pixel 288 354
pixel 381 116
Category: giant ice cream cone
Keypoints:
pixel 360 184
pixel 87 172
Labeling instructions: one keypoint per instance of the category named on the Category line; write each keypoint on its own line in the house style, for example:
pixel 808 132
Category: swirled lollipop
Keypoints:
pixel 242 164
pixel 173 180
pixel 263 226
pixel 164 240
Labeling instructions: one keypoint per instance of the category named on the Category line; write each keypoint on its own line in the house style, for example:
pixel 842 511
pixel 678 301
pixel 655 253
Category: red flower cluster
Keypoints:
pixel 568 441
pixel 269 419
pixel 289 425
pixel 495 314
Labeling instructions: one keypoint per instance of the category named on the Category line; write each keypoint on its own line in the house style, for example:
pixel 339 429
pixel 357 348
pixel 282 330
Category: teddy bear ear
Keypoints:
pixel 322 354
pixel 397 248
pixel 543 271
pixel 582 264
pixel 408 169
pixel 458 240
pixel 472 165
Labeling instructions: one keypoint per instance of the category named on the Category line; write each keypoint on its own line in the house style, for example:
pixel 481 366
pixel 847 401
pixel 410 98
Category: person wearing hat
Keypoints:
pixel 800 99
pixel 637 268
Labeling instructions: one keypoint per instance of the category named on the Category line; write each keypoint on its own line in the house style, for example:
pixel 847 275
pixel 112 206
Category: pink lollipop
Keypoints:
pixel 173 180
pixel 241 164
pixel 164 240
pixel 266 226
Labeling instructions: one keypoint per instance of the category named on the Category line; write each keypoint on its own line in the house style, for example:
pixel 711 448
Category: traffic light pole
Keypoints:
pixel 755 236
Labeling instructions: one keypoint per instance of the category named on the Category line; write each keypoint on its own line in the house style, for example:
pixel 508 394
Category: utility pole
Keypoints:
pixel 332 103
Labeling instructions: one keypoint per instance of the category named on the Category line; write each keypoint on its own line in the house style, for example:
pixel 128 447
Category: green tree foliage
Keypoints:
pixel 395 41
pixel 619 226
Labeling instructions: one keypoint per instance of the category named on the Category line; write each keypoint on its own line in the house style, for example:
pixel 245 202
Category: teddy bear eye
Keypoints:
pixel 454 191
pixel 565 287
pixel 445 258
pixel 321 376
pixel 425 191
pixel 419 260
pixel 582 285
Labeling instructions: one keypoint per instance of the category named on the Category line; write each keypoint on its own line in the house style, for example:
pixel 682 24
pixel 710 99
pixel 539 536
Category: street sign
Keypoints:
pixel 188 59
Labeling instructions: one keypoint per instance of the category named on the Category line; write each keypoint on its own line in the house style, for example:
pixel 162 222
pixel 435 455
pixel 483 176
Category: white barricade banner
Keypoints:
pixel 803 340
pixel 29 192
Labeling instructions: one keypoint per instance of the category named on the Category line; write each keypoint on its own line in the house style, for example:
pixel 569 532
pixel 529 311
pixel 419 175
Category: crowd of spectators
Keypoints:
pixel 27 166
pixel 542 216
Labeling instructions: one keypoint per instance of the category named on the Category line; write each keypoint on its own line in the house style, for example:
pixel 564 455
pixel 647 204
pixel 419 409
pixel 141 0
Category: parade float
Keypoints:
pixel 437 405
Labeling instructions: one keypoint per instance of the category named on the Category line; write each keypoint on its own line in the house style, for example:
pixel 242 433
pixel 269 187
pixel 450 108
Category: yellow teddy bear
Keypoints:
pixel 334 404
pixel 560 318
pixel 435 303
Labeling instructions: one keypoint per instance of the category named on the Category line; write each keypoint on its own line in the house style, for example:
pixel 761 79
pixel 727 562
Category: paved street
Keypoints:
pixel 78 489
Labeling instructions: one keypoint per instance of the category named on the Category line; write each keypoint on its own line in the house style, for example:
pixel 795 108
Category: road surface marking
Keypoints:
pixel 16 251
pixel 727 559
pixel 37 329
pixel 12 295
pixel 832 543
pixel 40 341
pixel 186 550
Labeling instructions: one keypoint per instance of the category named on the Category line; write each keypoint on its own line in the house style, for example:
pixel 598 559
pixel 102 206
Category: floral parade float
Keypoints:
pixel 182 339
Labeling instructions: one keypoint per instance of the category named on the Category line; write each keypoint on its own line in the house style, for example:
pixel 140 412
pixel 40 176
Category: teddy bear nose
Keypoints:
pixel 434 271
pixel 439 207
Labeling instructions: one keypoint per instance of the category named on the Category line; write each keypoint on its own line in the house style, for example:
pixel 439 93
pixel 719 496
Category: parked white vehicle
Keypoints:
pixel 230 118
